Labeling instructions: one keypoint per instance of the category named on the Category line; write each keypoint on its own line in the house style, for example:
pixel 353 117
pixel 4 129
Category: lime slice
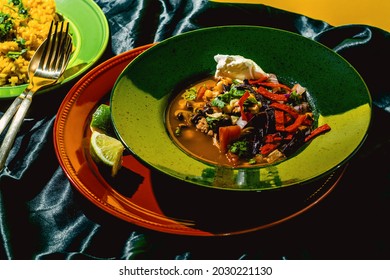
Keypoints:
pixel 106 151
pixel 101 120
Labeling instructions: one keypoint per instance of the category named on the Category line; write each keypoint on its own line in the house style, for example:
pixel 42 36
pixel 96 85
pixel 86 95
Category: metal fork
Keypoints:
pixel 45 69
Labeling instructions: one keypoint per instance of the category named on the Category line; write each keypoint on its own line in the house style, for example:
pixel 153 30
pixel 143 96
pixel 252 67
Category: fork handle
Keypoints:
pixel 13 129
pixel 7 116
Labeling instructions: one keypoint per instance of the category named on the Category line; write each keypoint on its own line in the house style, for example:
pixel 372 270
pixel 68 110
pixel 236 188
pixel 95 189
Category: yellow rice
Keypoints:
pixel 33 29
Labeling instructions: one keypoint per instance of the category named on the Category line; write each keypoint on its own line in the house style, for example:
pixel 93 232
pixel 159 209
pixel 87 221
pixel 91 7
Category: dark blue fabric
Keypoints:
pixel 43 217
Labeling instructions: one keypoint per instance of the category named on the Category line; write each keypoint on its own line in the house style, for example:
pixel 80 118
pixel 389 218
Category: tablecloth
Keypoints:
pixel 42 216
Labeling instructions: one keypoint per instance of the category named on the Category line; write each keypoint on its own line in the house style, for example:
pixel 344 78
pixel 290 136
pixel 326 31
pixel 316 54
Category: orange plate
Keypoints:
pixel 144 197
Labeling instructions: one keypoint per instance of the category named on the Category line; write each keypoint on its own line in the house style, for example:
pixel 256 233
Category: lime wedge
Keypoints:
pixel 106 151
pixel 101 120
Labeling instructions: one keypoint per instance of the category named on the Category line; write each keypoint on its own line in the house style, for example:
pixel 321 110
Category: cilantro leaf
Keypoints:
pixel 217 102
pixel 6 24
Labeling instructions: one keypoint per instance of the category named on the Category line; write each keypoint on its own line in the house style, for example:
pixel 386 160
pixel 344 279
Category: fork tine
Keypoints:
pixel 47 46
pixel 53 56
pixel 55 48
pixel 58 45
pixel 63 61
pixel 63 44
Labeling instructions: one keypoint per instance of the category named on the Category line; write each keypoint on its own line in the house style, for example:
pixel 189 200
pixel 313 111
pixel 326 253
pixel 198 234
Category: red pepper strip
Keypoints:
pixel 308 122
pixel 284 107
pixel 258 81
pixel 272 138
pixel 267 148
pixel 275 85
pixel 298 122
pixel 289 136
pixel 269 138
pixel 279 120
pixel 288 118
pixel 241 104
pixel 200 93
pixel 272 96
pixel 319 130
pixel 227 134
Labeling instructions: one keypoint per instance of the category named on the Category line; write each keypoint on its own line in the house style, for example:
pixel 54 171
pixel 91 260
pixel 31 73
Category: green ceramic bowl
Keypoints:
pixel 144 89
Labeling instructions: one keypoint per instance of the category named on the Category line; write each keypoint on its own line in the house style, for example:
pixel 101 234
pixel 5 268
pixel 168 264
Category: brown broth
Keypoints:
pixel 194 142
pixel 291 133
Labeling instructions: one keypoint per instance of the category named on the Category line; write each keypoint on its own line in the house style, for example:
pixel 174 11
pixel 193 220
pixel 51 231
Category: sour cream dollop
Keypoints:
pixel 237 67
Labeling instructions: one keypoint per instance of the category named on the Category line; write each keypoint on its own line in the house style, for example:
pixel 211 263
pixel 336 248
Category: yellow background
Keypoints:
pixel 335 12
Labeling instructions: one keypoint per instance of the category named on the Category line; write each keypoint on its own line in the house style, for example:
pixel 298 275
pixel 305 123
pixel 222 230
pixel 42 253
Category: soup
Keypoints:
pixel 250 122
pixel 185 133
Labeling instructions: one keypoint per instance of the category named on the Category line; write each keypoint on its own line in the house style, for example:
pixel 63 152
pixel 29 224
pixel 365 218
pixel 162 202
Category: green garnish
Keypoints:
pixel 6 22
pixel 252 161
pixel 22 45
pixel 239 148
pixel 225 98
pixel 21 9
pixel 295 97
pixel 189 94
pixel 15 55
pixel 178 131
pixel 217 102
pixel 6 25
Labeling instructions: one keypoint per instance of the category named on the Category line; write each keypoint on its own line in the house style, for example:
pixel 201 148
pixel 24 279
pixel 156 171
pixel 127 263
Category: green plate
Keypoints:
pixel 90 32
pixel 144 89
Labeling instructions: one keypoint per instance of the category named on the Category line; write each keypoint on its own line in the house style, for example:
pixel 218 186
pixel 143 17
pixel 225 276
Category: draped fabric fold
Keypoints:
pixel 43 217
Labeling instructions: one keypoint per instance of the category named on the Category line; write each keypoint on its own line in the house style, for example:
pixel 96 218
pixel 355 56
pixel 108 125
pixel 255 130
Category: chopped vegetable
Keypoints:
pixel 241 104
pixel 286 108
pixel 239 148
pixel 190 94
pixel 21 9
pixel 272 96
pixel 319 130
pixel 227 134
pixel 200 93
pixel 268 148
pixel 6 24
pixel 279 120
pixel 275 85
pixel 298 122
